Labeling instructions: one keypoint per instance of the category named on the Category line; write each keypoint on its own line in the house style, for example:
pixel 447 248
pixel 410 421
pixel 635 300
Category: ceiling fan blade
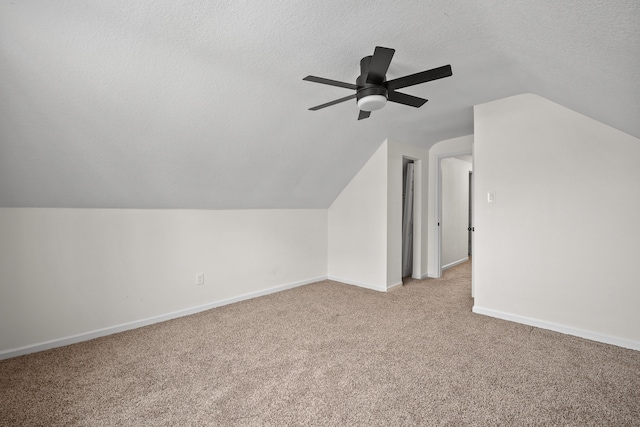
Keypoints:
pixel 417 78
pixel 363 114
pixel 337 101
pixel 379 64
pixel 403 98
pixel 330 82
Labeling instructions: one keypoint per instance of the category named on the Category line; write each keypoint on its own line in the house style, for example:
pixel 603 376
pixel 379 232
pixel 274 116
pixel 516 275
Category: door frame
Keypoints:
pixel 438 202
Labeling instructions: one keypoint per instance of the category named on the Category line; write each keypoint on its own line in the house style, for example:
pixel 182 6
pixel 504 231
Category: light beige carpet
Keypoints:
pixel 330 354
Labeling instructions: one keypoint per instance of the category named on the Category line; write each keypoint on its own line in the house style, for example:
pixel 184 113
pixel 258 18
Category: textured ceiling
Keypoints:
pixel 198 104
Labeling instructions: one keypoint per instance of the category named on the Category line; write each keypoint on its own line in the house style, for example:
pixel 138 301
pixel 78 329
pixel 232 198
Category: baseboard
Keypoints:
pixel 360 284
pixel 593 336
pixel 86 336
pixel 394 287
pixel 453 264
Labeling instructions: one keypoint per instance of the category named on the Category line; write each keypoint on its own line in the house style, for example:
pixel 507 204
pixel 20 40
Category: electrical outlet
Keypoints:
pixel 200 279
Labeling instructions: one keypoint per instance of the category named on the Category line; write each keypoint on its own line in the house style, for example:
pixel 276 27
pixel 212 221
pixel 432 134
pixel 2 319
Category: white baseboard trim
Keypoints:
pixel 360 284
pixel 394 287
pixel 453 264
pixel 543 324
pixel 86 336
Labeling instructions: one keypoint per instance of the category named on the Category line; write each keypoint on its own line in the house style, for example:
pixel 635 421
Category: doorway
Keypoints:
pixel 470 229
pixel 454 210
pixel 408 173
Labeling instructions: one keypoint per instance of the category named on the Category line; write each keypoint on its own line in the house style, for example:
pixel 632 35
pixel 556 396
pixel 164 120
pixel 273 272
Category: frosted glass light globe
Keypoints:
pixel 372 102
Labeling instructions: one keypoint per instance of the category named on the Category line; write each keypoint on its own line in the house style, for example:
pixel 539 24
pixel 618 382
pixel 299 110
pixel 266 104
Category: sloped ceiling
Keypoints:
pixel 198 104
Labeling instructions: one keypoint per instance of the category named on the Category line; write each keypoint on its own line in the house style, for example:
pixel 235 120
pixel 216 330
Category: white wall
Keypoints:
pixel 396 151
pixel 357 227
pixel 455 211
pixel 365 221
pixel 67 275
pixel 559 248
pixel 71 274
pixel 443 149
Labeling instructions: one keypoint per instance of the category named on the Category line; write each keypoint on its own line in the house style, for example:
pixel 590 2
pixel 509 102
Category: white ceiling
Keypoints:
pixel 199 104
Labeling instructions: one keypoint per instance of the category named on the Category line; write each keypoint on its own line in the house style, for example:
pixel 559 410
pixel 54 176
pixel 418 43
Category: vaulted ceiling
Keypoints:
pixel 198 104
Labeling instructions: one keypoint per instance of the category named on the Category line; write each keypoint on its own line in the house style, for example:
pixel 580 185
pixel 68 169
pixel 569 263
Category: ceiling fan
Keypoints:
pixel 372 88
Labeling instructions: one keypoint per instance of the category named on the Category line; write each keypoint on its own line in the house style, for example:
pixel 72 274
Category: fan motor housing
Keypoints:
pixel 371 98
pixel 371 90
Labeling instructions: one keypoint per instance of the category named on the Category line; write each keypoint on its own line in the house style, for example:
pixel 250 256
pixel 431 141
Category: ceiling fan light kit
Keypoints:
pixel 372 88
pixel 372 102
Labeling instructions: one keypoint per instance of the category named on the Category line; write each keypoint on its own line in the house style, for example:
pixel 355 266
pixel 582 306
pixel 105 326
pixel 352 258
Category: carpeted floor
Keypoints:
pixel 330 354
